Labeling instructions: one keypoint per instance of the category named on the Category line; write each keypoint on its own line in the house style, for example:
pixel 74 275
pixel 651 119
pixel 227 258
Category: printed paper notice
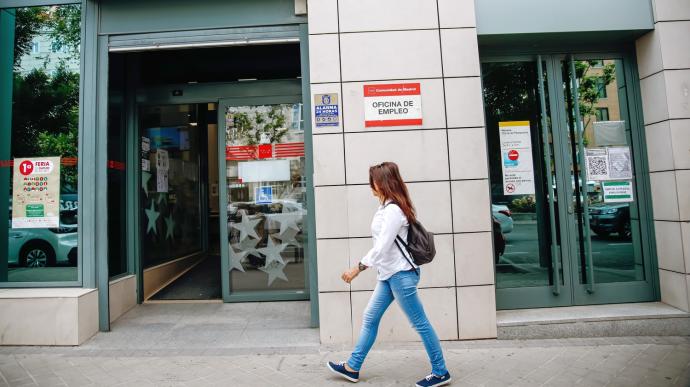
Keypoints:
pixel 162 180
pixel 611 163
pixel 617 191
pixel 516 157
pixel 620 163
pixel 36 193
pixel 162 161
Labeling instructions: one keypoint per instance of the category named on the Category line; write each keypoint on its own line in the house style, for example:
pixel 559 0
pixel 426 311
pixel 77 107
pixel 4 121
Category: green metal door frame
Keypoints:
pixel 630 291
pixel 560 292
pixel 571 291
pixel 7 25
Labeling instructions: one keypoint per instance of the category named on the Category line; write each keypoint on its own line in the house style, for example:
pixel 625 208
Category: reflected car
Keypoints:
pixel 503 216
pixel 41 247
pixel 608 218
pixel 499 239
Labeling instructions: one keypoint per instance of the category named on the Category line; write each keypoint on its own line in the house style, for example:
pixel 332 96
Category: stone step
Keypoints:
pixel 612 320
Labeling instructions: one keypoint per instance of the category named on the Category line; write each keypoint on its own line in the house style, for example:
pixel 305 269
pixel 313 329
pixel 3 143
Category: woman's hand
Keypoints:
pixel 349 275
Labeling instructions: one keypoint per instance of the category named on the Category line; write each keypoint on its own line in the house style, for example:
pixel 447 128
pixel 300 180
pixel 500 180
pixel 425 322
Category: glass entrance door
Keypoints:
pixel 609 257
pixel 567 235
pixel 264 238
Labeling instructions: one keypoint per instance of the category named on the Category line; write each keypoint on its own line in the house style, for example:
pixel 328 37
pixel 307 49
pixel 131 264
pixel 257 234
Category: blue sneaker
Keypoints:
pixel 434 380
pixel 339 368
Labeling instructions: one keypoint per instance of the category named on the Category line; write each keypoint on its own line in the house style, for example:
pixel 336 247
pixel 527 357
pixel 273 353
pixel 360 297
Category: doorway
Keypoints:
pixel 186 126
pixel 566 156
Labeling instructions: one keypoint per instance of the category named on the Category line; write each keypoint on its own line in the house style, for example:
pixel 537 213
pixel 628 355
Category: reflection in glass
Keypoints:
pixel 45 120
pixel 521 221
pixel 170 184
pixel 614 227
pixel 267 209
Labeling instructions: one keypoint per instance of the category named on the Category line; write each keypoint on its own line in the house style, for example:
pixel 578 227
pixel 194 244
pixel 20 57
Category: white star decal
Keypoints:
pixel 145 177
pixel 151 217
pixel 287 220
pixel 272 252
pixel 169 227
pixel 236 258
pixel 274 270
pixel 246 227
pixel 288 237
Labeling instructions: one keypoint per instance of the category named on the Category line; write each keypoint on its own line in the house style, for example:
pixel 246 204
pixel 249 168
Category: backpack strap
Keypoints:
pixel 397 238
pixel 400 240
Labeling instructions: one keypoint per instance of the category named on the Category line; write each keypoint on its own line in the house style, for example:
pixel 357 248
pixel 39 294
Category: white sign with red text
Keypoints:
pixel 516 157
pixel 396 104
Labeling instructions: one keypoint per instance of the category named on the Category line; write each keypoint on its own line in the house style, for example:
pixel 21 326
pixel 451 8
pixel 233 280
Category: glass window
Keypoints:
pixel 117 151
pixel 41 154
pixel 267 207
pixel 601 87
pixel 602 114
pixel 171 212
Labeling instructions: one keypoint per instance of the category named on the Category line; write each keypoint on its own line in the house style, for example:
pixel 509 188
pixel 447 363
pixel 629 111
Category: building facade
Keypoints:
pixel 228 143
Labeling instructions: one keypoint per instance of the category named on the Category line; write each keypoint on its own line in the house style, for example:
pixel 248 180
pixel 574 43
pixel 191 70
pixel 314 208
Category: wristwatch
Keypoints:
pixel 362 266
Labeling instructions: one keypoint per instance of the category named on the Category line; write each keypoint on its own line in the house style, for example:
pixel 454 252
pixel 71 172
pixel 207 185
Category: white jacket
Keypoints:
pixel 385 256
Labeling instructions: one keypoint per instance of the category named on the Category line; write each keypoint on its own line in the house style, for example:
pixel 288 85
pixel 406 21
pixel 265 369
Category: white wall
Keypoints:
pixel 357 42
pixel 664 64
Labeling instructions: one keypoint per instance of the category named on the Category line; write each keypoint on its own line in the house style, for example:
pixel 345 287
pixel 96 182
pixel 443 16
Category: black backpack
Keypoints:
pixel 420 244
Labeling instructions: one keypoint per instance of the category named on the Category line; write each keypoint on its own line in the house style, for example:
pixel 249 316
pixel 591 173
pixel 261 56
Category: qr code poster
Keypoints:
pixel 612 163
pixel 597 164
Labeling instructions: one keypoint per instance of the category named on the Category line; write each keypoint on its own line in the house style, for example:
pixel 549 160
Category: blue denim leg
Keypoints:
pixel 379 302
pixel 404 287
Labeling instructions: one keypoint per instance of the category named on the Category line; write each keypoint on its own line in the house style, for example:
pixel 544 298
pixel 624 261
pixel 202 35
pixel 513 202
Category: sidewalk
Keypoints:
pixel 625 361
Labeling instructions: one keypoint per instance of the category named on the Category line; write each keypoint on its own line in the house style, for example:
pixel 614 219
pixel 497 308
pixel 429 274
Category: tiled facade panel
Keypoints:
pixel 367 15
pixel 329 160
pixel 422 155
pixel 438 305
pixel 433 43
pixel 369 56
pixel 440 274
pixel 664 67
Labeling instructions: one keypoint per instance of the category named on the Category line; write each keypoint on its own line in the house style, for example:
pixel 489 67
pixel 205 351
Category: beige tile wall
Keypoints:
pixel 444 160
pixel 663 57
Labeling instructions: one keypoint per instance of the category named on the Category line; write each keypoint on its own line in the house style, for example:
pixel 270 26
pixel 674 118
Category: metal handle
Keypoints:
pixel 583 175
pixel 555 263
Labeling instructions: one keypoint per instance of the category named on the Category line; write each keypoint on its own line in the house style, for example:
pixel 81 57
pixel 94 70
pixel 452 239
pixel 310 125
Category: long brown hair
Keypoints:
pixel 385 178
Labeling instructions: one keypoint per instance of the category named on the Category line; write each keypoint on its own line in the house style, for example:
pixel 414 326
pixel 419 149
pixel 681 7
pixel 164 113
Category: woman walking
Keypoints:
pixel 398 277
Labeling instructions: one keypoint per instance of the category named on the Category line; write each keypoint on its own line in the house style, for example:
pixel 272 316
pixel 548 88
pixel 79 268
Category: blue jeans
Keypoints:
pixel 402 286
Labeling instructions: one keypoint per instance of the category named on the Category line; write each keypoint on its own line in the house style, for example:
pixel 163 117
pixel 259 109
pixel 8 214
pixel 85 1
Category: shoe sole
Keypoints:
pixel 353 380
pixel 440 384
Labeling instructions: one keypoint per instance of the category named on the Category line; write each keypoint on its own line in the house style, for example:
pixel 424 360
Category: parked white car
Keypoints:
pixel 40 247
pixel 503 216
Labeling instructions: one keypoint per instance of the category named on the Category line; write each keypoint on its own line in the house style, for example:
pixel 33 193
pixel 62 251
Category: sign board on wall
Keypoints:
pixel 326 110
pixel 397 104
pixel 516 157
pixel 36 193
